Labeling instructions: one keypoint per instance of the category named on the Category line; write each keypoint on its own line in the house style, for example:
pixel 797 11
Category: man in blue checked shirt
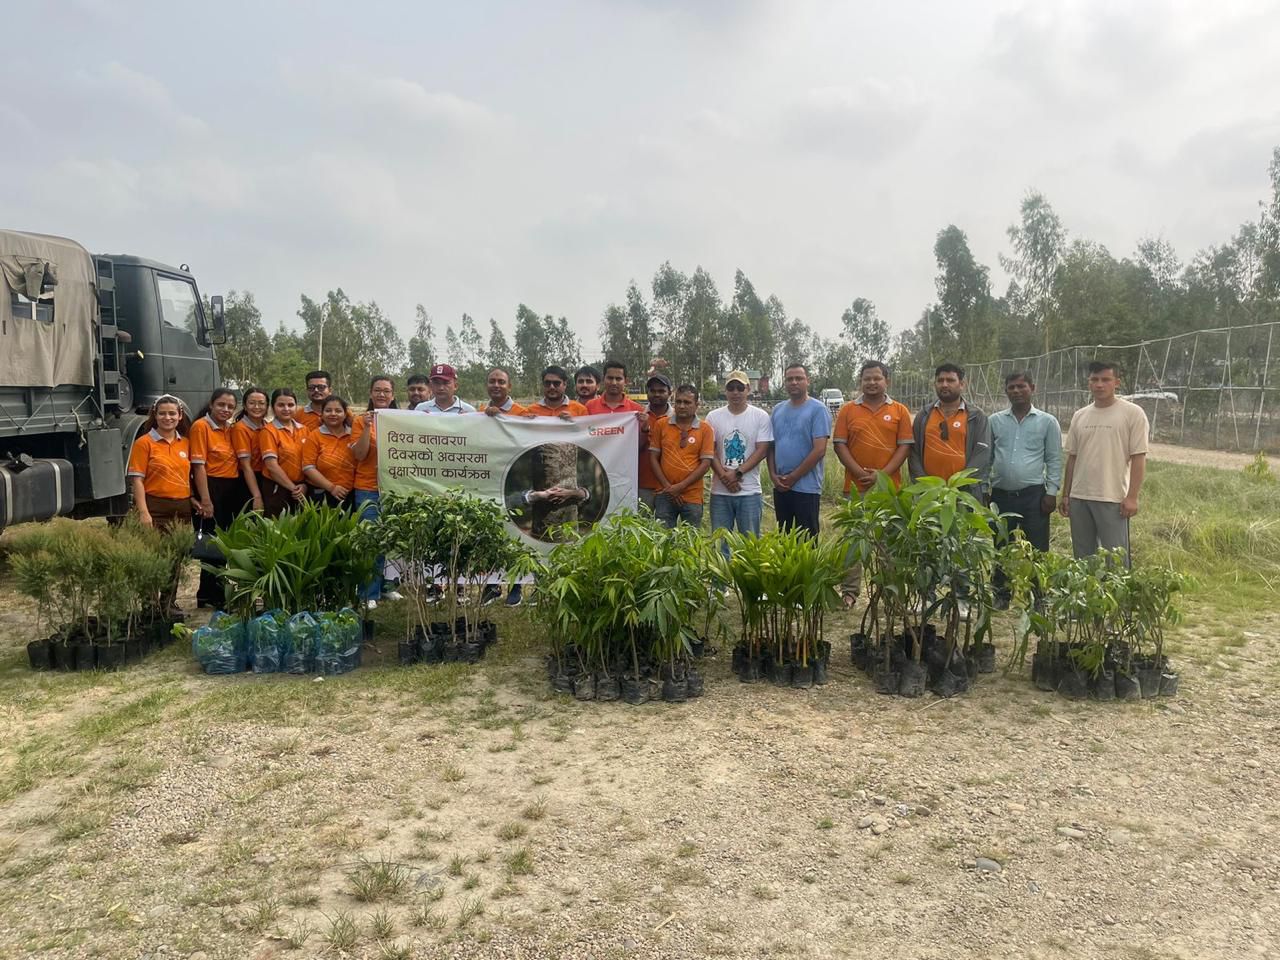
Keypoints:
pixel 1026 465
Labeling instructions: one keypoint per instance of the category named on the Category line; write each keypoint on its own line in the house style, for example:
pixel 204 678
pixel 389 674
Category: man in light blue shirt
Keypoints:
pixel 1026 464
pixel 444 393
pixel 801 429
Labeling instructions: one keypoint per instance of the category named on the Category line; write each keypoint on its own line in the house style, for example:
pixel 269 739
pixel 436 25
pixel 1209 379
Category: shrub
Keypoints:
pixel 310 559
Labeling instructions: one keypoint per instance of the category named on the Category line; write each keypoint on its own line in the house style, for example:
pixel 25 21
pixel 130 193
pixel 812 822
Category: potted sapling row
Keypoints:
pixel 621 606
pixel 784 582
pixel 1151 605
pixel 927 550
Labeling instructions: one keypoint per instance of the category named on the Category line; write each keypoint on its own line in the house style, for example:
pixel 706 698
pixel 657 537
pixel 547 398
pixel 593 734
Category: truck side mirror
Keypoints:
pixel 217 321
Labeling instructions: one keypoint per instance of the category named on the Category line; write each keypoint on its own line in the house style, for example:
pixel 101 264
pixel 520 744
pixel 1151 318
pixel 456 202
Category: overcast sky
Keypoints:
pixel 472 156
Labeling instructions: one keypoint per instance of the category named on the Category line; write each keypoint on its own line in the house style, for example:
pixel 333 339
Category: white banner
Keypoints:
pixel 546 471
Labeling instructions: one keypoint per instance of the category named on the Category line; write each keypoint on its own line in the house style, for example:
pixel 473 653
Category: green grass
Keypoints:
pixel 373 881
pixel 1217 525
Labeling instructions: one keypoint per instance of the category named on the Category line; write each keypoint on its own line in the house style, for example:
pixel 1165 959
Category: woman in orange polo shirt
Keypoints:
pixel 160 465
pixel 283 443
pixel 219 486
pixel 248 428
pixel 329 465
pixel 364 447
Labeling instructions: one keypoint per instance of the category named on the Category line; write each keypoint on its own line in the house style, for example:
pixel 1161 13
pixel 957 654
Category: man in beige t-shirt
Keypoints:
pixel 1106 450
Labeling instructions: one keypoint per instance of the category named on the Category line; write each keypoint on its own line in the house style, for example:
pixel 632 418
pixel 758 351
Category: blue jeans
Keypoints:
pixel 366 506
pixel 741 513
pixel 673 510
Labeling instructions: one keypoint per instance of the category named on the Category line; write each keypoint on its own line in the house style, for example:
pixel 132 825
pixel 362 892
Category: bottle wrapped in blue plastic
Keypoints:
pixel 220 645
pixel 300 644
pixel 267 637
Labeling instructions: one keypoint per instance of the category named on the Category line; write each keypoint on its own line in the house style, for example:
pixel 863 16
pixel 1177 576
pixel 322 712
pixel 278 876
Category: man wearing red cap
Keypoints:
pixel 444 390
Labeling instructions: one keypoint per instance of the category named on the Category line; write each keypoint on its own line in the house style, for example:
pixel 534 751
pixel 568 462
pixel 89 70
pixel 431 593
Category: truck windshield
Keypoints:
pixel 178 303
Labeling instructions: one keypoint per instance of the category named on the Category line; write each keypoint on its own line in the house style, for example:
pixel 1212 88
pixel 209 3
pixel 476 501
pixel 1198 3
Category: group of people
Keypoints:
pixel 271 454
pixel 1016 455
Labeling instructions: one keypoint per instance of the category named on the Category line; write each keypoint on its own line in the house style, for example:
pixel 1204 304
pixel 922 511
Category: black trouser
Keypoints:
pixel 1031 520
pixel 228 497
pixel 276 499
pixel 318 497
pixel 797 510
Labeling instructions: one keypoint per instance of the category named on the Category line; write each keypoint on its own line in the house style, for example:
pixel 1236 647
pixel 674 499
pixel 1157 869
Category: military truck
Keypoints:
pixel 87 342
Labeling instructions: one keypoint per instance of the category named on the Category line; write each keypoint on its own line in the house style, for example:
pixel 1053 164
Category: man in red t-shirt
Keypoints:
pixel 658 408
pixel 614 399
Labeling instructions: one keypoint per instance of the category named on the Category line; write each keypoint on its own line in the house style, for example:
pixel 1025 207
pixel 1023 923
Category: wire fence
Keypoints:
pixel 1218 389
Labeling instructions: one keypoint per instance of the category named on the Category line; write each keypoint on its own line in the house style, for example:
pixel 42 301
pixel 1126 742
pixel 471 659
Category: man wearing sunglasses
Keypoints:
pixel 951 435
pixel 319 386
pixel 554 403
pixel 743 435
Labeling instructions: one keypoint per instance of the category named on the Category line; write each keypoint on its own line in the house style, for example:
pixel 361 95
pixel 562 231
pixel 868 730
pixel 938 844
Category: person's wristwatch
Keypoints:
pixel 737 473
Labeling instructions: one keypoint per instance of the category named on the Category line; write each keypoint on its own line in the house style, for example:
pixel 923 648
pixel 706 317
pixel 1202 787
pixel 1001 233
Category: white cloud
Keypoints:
pixel 388 105
pixel 469 161
pixel 865 121
pixel 146 93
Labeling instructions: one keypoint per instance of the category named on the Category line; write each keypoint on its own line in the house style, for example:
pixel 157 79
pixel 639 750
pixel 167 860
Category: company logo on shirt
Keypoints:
pixel 182 454
pixel 888 417
pixel 956 425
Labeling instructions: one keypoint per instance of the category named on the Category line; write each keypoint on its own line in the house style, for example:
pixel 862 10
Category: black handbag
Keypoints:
pixel 204 549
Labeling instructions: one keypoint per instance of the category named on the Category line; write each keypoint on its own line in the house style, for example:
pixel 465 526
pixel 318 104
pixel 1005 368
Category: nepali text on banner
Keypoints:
pixel 546 471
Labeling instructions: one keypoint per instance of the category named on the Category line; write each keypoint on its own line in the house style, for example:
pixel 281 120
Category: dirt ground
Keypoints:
pixel 466 812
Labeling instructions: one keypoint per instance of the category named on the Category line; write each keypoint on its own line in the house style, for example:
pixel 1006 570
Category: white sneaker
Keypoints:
pixel 393 595
pixel 371 604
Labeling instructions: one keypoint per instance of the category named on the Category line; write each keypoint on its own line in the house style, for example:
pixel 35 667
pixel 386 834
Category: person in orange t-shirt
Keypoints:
pixel 872 434
pixel 328 464
pixel 283 442
pixel 681 449
pixel 614 399
pixel 951 435
pixel 248 429
pixel 219 487
pixel 498 387
pixel 658 390
pixel 364 447
pixel 160 465
pixel 319 386
pixel 555 380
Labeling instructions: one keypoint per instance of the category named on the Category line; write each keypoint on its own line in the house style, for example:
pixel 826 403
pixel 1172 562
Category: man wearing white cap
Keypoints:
pixel 444 393
pixel 744 434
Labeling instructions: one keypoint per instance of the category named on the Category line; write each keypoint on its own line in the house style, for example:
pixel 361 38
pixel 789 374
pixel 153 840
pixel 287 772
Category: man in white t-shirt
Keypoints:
pixel 1106 450
pixel 744 434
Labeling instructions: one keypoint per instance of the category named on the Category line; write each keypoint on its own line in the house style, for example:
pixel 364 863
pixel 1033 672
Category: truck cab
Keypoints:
pixel 170 340
pixel 87 343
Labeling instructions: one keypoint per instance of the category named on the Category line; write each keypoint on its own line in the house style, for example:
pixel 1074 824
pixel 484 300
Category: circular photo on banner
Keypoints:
pixel 553 484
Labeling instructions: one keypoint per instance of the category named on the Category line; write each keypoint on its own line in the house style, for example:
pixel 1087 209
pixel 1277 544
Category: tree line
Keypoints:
pixel 1069 291
pixel 1063 291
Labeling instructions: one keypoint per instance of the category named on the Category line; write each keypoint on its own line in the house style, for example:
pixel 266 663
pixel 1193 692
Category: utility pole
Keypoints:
pixel 324 312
